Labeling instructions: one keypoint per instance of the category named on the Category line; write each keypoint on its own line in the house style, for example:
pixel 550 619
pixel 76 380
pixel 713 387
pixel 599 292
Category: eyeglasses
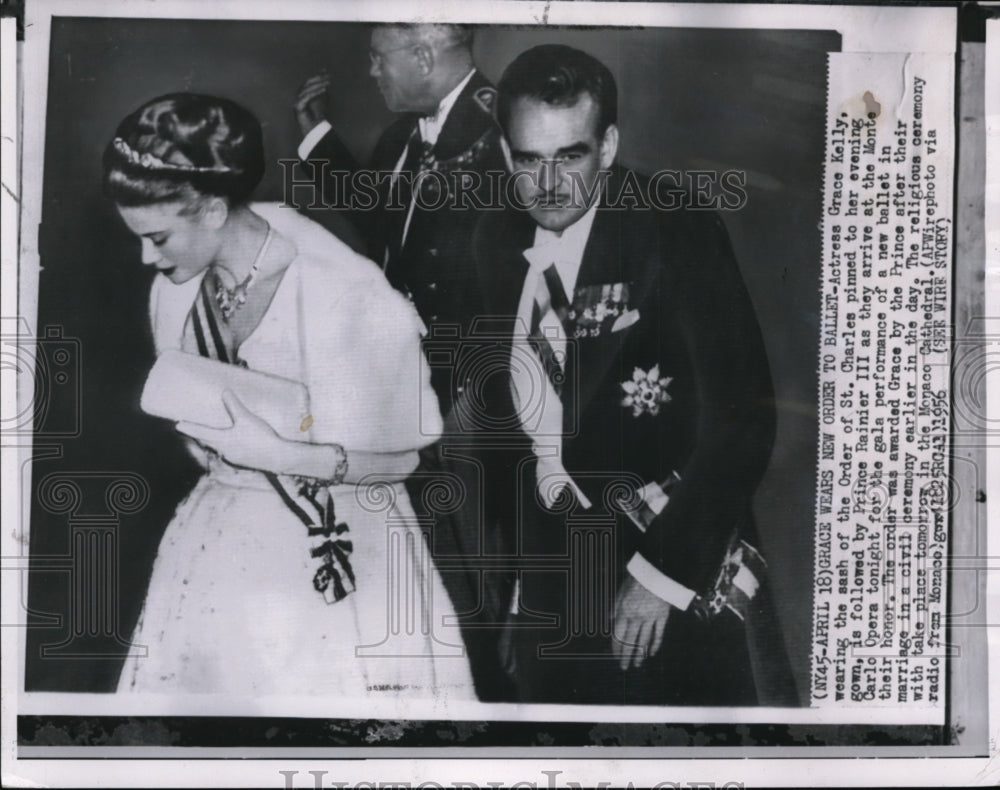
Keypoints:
pixel 377 58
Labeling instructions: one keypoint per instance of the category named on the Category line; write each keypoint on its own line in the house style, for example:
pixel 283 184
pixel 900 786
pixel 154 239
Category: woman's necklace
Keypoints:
pixel 232 299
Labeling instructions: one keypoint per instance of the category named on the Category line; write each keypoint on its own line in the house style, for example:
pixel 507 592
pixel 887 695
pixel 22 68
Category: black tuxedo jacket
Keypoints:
pixel 697 324
pixel 435 266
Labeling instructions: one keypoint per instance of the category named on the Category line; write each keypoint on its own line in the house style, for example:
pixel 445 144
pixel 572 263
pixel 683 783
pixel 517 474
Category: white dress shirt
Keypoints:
pixel 538 404
pixel 430 126
pixel 541 408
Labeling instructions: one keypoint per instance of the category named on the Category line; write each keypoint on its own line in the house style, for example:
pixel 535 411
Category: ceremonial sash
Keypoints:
pixel 309 500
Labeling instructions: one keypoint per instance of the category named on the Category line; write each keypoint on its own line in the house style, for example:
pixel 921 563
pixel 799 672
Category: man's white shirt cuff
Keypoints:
pixel 663 587
pixel 317 133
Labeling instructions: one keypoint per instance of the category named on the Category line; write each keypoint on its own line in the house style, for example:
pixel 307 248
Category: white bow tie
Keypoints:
pixel 544 255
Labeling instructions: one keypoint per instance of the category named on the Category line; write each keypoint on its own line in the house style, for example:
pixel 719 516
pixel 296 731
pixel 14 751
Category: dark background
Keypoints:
pixel 689 99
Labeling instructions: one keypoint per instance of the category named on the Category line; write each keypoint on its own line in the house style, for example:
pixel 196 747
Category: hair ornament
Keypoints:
pixel 150 161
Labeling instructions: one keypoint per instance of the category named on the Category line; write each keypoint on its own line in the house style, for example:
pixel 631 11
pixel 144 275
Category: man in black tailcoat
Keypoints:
pixel 642 388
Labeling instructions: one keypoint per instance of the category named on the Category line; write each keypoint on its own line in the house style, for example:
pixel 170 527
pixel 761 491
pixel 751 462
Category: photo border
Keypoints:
pixel 861 27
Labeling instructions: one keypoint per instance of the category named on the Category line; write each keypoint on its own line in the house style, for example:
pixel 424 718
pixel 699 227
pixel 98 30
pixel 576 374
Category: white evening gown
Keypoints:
pixel 231 608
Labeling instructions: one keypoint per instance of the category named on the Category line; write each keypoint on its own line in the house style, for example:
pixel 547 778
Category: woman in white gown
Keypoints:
pixel 295 566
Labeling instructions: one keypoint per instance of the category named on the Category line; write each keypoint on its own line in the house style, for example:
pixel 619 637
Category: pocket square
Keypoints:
pixel 625 320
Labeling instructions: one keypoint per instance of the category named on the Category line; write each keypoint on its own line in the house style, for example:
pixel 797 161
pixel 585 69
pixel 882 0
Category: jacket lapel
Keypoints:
pixel 585 368
pixel 612 255
pixel 392 143
pixel 470 119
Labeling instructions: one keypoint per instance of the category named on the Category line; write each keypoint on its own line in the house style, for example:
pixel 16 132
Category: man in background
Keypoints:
pixel 426 73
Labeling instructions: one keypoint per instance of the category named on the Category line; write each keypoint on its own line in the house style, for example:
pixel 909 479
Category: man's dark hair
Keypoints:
pixel 558 75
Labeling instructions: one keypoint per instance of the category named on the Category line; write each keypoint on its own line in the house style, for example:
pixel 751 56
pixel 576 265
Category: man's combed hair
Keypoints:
pixel 443 36
pixel 558 76
pixel 181 147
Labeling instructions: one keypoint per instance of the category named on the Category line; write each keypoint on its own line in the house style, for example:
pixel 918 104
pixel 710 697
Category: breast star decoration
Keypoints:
pixel 646 392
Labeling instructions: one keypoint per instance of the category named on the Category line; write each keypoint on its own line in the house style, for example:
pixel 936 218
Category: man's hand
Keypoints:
pixel 640 619
pixel 311 101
